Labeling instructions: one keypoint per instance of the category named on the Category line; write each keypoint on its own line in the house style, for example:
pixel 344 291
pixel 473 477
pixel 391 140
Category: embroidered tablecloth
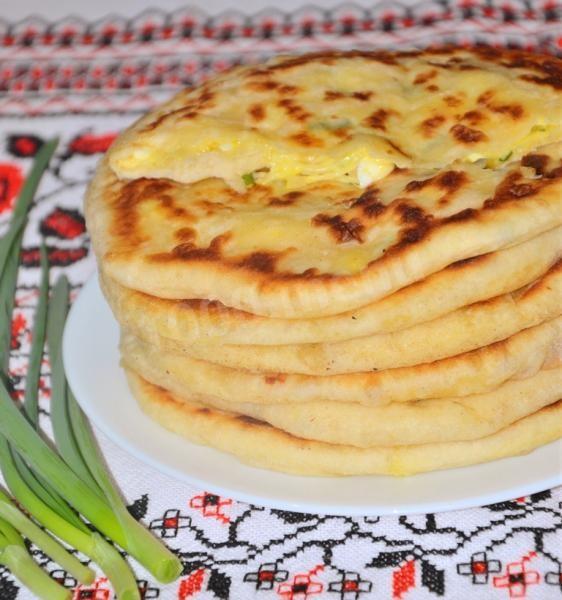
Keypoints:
pixel 83 82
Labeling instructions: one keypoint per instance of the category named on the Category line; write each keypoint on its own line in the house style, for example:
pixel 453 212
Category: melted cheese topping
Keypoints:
pixel 349 118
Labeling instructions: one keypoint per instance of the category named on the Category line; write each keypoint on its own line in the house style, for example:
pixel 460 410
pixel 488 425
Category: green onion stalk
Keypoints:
pixel 36 495
pixel 14 556
pixel 104 507
pixel 10 513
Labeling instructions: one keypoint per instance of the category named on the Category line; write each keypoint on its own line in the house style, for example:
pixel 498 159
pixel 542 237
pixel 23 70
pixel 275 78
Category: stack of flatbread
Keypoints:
pixel 345 263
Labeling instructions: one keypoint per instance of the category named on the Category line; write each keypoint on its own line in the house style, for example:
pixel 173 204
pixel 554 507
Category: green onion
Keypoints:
pixel 75 436
pixel 44 541
pixel 248 179
pixel 507 156
pixel 38 337
pixel 14 555
pixel 64 436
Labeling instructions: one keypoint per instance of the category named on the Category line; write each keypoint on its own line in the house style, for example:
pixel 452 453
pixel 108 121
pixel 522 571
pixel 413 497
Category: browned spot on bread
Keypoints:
pixel 410 214
pixel 432 88
pixel 294 110
pixel 538 162
pixel 551 73
pixel 428 126
pixel 333 95
pixel 263 262
pixel 275 378
pixel 510 189
pixel 363 96
pixel 515 111
pixel 473 117
pixel 202 411
pixel 257 112
pixel 262 86
pixel 378 119
pixel 418 184
pixel 189 251
pixel 425 76
pixel 286 199
pixel 127 201
pixel 466 135
pixel 251 421
pixel 288 90
pixel 452 100
pixel 451 180
pixel 305 139
pixel 341 230
pixel 369 203
pixel 485 97
pixel 463 215
pixel 185 234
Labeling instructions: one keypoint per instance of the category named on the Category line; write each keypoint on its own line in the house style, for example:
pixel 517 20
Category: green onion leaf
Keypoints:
pixel 43 540
pixel 507 156
pixel 248 179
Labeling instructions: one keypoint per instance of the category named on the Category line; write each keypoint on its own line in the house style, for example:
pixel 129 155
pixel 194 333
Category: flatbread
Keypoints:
pixel 460 284
pixel 404 423
pixel 461 331
pixel 261 445
pixel 474 372
pixel 421 422
pixel 347 116
pixel 329 245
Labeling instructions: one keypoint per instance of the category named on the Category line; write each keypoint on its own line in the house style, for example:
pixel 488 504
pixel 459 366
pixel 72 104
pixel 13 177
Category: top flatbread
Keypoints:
pixel 331 245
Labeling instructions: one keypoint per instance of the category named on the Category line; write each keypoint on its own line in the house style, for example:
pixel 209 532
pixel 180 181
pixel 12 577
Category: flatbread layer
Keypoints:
pixel 460 284
pixel 261 445
pixel 474 372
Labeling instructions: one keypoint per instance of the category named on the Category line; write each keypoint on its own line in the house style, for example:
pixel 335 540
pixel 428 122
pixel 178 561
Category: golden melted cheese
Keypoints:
pixel 348 117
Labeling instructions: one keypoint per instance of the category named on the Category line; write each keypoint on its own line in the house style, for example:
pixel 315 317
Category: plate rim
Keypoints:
pixel 144 456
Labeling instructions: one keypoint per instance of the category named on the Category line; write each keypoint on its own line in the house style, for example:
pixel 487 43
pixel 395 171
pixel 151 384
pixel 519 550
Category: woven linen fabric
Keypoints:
pixel 84 82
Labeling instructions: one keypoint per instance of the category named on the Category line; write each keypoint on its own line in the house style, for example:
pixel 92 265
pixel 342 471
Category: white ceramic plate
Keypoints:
pixel 92 363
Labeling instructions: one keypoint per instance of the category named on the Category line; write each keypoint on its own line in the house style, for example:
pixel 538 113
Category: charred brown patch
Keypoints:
pixel 511 189
pixel 551 73
pixel 127 201
pixel 428 126
pixel 275 378
pixel 330 95
pixel 464 215
pixel 418 184
pixel 538 162
pixel 514 111
pixel 305 139
pixel 452 100
pixel 425 77
pixel 411 214
pixel 467 135
pixel 293 110
pixel 262 86
pixel 251 421
pixel 343 231
pixel 264 262
pixel 378 119
pixel 432 88
pixel 362 96
pixel 257 112
pixel 288 90
pixel 369 203
pixel 451 180
pixel 185 234
pixel 473 117
pixel 485 97
pixel 189 251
